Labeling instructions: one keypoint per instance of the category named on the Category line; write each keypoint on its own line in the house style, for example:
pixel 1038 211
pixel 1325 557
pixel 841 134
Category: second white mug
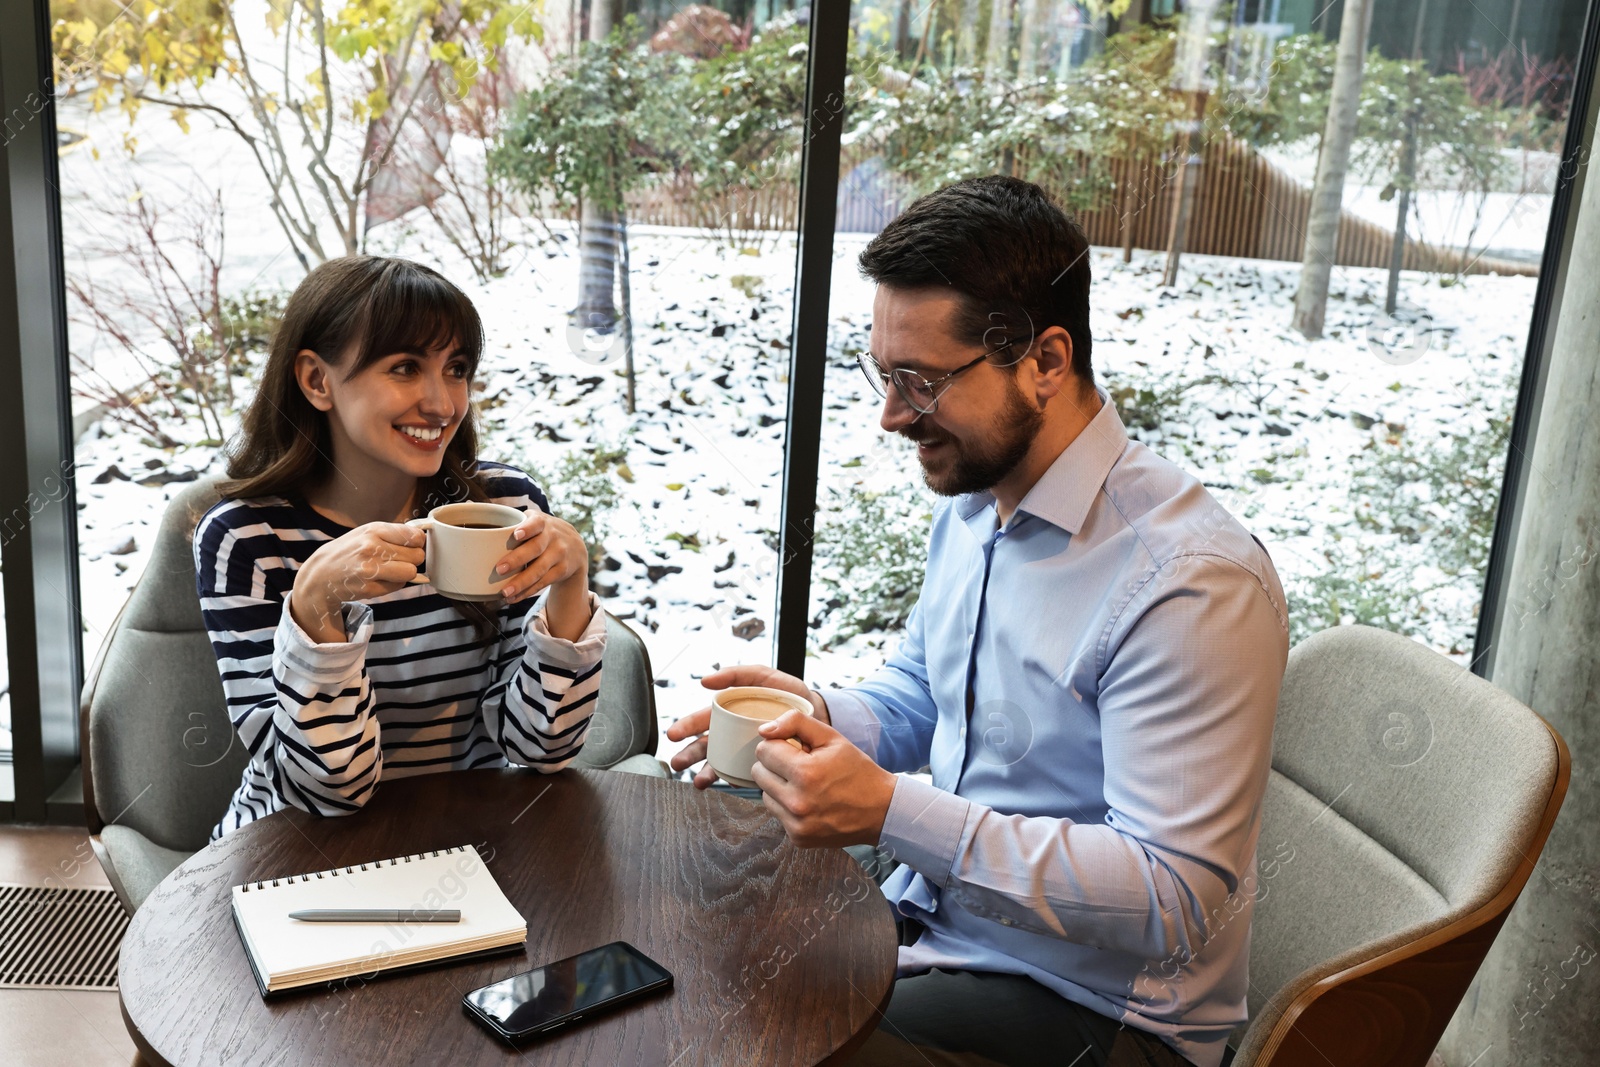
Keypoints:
pixel 736 717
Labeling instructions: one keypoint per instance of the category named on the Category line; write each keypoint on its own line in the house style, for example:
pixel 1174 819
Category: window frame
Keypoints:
pixel 44 629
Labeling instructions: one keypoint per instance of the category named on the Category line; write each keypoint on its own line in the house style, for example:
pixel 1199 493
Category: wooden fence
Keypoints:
pixel 1245 206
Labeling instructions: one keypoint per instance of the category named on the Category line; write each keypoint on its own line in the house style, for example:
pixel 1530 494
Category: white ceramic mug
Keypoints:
pixel 466 541
pixel 736 718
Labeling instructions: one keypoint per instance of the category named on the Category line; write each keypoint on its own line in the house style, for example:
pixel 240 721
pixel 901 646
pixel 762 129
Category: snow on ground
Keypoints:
pixel 695 532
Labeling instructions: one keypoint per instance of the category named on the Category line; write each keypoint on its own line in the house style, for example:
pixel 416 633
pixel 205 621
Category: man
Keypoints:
pixel 1091 674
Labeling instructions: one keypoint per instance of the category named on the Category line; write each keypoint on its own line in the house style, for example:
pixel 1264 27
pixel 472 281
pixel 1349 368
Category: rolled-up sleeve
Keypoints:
pixel 539 708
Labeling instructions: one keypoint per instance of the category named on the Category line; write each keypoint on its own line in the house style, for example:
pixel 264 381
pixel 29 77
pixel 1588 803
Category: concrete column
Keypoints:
pixel 1535 996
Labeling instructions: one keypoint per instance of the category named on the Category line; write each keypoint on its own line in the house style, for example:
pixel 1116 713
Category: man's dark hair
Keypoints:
pixel 1004 244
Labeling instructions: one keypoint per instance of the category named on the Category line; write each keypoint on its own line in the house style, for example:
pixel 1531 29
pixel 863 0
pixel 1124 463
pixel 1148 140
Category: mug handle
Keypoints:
pixel 426 524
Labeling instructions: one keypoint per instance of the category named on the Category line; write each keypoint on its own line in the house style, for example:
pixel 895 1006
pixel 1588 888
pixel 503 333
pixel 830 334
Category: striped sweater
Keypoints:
pixel 410 691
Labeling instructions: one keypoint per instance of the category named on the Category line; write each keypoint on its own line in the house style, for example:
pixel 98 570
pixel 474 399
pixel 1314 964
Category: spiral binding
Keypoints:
pixel 353 868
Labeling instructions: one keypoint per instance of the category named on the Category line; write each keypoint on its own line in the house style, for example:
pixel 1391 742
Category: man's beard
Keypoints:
pixel 978 466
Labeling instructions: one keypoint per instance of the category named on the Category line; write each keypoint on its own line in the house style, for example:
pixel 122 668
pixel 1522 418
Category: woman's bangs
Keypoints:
pixel 413 310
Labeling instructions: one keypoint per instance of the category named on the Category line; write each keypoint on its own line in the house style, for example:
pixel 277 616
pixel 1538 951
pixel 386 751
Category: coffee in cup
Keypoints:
pixel 736 718
pixel 466 541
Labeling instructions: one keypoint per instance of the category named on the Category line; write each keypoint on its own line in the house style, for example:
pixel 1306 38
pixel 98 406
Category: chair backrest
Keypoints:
pixel 1407 802
pixel 160 753
pixel 624 721
pixel 162 756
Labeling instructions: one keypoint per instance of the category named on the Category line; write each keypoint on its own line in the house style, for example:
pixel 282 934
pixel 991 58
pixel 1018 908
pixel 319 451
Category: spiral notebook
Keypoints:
pixel 286 953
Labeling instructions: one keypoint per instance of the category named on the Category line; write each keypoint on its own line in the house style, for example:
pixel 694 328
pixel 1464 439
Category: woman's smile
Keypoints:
pixel 426 439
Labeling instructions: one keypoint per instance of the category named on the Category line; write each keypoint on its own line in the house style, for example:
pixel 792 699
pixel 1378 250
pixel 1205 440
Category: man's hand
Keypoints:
pixel 696 723
pixel 831 794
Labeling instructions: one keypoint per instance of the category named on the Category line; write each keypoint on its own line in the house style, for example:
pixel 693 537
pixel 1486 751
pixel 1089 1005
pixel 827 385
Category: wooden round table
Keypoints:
pixel 780 955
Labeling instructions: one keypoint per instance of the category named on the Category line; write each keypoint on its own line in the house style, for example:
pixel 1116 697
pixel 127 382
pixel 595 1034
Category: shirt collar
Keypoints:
pixel 1064 493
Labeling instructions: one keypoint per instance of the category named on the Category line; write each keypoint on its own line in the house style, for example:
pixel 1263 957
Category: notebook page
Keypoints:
pixel 450 878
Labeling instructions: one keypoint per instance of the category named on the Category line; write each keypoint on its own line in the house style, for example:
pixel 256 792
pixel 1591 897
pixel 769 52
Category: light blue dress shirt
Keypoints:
pixel 1092 822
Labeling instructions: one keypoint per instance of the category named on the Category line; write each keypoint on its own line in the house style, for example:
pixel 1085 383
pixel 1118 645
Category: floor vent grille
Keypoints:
pixel 55 938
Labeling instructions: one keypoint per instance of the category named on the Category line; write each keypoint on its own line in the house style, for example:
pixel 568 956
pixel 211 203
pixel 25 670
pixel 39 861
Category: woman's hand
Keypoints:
pixel 369 561
pixel 551 555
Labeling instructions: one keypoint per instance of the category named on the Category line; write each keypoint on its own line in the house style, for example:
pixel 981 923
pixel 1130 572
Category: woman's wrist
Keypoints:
pixel 568 608
pixel 325 626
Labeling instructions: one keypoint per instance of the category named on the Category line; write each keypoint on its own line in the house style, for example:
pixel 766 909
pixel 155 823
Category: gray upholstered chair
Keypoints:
pixel 1408 802
pixel 160 757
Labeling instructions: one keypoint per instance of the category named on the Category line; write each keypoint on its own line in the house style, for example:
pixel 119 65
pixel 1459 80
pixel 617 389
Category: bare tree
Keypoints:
pixel 169 318
pixel 445 169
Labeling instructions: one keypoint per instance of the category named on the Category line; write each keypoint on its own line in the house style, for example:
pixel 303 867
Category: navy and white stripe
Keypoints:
pixel 410 691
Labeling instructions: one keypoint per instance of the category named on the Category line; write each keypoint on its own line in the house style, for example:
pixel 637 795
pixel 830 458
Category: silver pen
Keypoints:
pixel 376 915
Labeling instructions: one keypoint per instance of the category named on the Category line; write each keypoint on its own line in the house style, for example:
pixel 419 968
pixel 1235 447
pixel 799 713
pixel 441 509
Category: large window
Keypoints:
pixel 1361 431
pixel 619 195
pixel 620 206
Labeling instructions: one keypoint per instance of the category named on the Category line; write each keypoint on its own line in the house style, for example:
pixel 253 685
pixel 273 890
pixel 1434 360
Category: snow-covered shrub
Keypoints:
pixel 1151 403
pixel 871 553
pixel 249 318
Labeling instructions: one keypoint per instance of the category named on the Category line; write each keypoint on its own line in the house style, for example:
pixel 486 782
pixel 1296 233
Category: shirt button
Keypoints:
pixel 1007 922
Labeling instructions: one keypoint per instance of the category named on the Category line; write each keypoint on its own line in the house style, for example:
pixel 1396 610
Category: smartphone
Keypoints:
pixel 559 994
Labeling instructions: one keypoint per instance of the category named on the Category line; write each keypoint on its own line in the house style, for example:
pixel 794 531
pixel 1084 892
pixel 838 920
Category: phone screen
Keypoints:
pixel 567 989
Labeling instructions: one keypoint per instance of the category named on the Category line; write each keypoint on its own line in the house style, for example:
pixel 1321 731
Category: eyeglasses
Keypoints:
pixel 921 394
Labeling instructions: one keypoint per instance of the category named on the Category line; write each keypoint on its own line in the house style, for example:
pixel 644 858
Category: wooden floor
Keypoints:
pixel 45 1028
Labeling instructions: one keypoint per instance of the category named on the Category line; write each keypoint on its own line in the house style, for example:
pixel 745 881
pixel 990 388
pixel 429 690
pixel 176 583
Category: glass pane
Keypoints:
pixel 621 212
pixel 1368 459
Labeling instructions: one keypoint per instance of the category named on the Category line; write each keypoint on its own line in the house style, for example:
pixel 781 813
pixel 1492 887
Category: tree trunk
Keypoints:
pixel 1397 253
pixel 1034 13
pixel 597 231
pixel 627 312
pixel 967 36
pixel 997 54
pixel 1188 180
pixel 1322 225
pixel 1131 167
pixel 902 30
pixel 597 269
pixel 1408 171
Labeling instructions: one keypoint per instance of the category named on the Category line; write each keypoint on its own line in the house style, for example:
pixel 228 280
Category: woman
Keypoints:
pixel 337 671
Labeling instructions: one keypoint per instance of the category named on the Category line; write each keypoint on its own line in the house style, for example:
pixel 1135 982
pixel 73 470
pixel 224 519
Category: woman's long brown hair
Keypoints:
pixel 377 306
